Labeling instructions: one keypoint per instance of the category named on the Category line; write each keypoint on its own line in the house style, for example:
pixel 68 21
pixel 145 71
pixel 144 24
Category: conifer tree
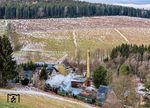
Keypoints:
pixel 7 64
pixel 100 76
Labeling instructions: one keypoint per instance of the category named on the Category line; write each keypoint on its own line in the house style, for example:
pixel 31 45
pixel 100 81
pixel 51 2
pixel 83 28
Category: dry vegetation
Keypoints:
pixel 29 101
pixel 56 35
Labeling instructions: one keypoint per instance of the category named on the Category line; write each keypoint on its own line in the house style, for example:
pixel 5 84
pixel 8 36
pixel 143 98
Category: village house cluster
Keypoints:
pixel 64 80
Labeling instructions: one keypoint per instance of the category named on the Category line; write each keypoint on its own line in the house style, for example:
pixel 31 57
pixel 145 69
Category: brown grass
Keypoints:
pixel 28 101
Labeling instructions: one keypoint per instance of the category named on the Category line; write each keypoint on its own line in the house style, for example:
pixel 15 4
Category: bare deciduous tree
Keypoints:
pixel 124 84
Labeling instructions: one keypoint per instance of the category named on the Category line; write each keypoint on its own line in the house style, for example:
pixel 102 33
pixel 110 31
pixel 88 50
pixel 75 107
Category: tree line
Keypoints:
pixel 131 59
pixel 64 8
pixel 125 50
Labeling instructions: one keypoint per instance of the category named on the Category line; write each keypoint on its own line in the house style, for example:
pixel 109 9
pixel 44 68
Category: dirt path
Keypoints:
pixel 44 94
pixel 75 40
pixel 60 61
pixel 123 36
pixel 75 43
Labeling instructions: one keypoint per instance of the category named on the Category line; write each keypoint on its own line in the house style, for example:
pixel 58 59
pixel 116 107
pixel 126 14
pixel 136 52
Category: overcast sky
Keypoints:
pixel 121 1
pixel 131 3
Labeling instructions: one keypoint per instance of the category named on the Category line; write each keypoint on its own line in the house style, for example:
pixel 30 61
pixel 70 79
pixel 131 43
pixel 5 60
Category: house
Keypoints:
pixel 61 69
pixel 66 84
pixel 73 84
pixel 79 82
pixel 75 91
pixel 49 66
pixel 101 94
pixel 52 71
pixel 40 63
pixel 55 81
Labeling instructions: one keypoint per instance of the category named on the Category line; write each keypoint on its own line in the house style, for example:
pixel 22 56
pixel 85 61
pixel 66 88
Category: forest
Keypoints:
pixel 26 9
pixel 134 57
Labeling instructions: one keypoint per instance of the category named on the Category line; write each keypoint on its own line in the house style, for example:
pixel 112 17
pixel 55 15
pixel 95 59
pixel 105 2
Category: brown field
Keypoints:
pixel 57 35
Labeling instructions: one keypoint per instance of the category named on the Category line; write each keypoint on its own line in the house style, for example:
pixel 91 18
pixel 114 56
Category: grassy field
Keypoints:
pixel 28 101
pixel 99 38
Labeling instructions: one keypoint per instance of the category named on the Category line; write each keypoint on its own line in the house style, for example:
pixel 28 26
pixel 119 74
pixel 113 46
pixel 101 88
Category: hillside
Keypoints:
pixel 58 37
pixel 38 99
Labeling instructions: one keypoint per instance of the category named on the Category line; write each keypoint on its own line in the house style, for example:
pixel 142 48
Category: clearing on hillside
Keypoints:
pixel 51 39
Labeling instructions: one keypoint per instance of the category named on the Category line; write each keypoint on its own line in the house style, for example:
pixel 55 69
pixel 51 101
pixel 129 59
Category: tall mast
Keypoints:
pixel 88 74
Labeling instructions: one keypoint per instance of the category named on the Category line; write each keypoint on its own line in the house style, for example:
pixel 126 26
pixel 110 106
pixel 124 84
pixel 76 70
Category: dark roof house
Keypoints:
pixel 102 92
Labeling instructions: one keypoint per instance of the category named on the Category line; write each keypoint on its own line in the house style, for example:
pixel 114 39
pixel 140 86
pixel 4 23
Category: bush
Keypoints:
pixel 29 66
pixel 25 81
pixel 124 70
pixel 43 74
pixel 147 84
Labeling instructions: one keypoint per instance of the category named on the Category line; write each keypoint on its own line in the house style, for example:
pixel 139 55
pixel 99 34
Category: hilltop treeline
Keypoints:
pixel 25 9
